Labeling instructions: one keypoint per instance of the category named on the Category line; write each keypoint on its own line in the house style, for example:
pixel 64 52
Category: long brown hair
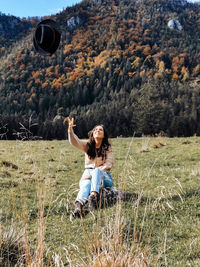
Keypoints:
pixel 92 151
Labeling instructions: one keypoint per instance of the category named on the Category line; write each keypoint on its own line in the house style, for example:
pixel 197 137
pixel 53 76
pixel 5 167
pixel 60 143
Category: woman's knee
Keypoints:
pixel 97 171
pixel 85 183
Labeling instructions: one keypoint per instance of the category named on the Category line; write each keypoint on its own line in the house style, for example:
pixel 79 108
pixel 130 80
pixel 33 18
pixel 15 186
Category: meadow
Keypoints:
pixel 38 185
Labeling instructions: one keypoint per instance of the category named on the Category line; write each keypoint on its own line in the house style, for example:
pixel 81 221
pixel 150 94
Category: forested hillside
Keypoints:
pixel 13 29
pixel 131 65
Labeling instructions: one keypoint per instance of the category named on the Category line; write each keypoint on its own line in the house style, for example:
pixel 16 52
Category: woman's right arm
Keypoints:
pixel 73 138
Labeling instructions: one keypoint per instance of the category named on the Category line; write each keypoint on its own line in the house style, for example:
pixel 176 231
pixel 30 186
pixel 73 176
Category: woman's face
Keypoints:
pixel 98 132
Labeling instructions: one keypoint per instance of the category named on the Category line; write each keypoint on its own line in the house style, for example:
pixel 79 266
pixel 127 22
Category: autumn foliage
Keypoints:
pixel 117 50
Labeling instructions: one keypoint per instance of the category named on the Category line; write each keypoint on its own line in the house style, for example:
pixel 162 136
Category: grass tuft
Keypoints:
pixel 11 246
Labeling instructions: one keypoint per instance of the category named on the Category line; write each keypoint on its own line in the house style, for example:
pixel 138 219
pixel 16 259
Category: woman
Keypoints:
pixel 98 163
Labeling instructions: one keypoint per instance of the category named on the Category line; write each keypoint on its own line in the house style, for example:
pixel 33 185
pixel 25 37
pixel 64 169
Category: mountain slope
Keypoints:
pixel 12 29
pixel 117 58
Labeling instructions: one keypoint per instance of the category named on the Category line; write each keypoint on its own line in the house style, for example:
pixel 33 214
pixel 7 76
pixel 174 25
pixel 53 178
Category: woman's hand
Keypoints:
pixel 70 123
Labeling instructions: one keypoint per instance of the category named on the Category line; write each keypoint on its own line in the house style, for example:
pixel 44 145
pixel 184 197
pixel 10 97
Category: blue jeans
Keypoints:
pixel 99 179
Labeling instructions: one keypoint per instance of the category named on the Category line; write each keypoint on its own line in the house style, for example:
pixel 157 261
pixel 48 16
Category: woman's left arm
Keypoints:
pixel 108 162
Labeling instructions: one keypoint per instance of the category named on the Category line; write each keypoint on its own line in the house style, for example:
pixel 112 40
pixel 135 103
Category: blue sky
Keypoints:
pixel 31 8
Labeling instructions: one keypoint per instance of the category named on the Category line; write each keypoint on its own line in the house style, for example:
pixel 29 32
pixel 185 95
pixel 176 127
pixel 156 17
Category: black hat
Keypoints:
pixel 46 37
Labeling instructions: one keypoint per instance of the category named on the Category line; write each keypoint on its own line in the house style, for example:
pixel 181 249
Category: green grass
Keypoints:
pixel 39 182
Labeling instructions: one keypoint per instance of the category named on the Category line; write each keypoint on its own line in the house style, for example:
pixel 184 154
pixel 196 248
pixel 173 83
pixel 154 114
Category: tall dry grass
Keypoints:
pixel 15 246
pixel 109 243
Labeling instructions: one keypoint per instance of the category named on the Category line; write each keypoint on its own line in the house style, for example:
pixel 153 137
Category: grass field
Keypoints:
pixel 39 182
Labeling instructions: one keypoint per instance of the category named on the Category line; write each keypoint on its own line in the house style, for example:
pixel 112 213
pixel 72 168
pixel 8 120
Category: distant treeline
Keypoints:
pixel 157 107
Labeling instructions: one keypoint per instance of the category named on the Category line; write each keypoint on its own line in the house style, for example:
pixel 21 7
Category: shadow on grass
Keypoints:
pixel 109 196
pixel 187 195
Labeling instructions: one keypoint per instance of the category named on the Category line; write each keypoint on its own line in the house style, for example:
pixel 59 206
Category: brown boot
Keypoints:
pixel 78 209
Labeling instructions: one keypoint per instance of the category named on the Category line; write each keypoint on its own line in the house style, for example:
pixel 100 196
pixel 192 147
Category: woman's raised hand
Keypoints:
pixel 70 123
